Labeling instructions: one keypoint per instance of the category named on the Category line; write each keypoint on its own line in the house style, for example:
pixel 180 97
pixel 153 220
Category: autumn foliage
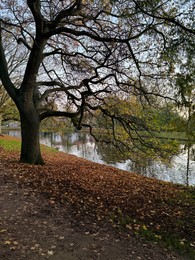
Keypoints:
pixel 127 200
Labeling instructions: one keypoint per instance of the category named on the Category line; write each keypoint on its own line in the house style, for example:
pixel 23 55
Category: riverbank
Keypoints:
pixel 178 136
pixel 82 144
pixel 84 210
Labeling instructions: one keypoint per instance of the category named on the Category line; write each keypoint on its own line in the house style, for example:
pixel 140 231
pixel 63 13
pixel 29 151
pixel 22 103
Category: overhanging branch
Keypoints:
pixel 52 113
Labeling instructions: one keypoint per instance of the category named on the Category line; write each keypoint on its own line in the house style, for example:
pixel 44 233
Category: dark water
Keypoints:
pixel 83 145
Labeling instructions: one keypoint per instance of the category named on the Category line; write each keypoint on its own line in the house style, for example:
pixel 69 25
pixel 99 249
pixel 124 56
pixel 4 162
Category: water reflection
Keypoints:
pixel 83 145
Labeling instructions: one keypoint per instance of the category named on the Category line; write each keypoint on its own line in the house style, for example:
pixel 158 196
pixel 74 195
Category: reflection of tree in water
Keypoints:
pixel 56 139
pixel 146 167
pixel 189 148
pixel 109 153
pixel 81 142
pixel 191 152
pixel 66 141
pixel 85 144
pixel 141 166
pixel 139 162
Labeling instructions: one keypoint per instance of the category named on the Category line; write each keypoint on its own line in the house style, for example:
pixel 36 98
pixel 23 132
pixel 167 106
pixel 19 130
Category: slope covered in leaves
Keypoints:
pixel 152 208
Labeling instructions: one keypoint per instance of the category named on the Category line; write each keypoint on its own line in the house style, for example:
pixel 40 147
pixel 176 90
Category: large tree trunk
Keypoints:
pixel 30 149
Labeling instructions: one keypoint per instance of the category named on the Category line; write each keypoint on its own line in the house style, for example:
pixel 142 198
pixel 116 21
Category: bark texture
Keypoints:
pixel 30 148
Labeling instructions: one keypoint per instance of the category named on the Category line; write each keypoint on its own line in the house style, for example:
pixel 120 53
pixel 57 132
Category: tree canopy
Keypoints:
pixel 77 53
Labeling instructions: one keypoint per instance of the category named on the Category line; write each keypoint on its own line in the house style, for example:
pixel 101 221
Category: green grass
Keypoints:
pixel 10 145
pixel 14 144
pixel 48 149
pixel 171 135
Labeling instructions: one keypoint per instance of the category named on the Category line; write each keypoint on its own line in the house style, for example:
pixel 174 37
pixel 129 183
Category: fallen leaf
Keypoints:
pixel 3 230
pixel 50 252
pixel 7 242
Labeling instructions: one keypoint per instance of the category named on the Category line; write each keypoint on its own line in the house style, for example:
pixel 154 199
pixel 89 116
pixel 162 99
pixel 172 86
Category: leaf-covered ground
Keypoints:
pixel 94 205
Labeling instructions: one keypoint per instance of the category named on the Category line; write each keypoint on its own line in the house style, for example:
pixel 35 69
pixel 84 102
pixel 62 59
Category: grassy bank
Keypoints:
pixel 180 136
pixel 132 204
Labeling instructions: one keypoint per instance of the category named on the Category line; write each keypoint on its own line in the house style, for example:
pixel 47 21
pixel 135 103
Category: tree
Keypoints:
pixel 3 100
pixel 78 52
pixel 8 110
pixel 185 81
pixel 164 118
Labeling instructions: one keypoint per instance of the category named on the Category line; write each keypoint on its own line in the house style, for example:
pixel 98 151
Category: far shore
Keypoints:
pixel 178 136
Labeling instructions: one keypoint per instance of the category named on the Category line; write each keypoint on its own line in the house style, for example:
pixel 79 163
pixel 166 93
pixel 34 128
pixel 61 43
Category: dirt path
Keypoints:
pixel 33 227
